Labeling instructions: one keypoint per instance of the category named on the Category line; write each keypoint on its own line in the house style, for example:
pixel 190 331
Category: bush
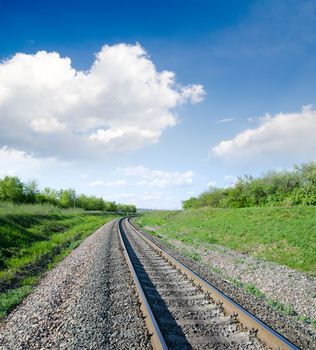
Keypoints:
pixel 276 188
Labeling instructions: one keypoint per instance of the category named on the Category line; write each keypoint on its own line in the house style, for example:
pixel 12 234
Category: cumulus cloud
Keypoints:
pixel 193 93
pixel 47 126
pixel 157 178
pixel 18 163
pixel 122 103
pixel 285 134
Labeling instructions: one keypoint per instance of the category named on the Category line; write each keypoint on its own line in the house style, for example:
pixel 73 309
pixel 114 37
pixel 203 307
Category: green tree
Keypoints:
pixel 12 189
pixel 48 195
pixel 67 198
pixel 31 192
pixel 126 208
pixel 110 206
pixel 190 203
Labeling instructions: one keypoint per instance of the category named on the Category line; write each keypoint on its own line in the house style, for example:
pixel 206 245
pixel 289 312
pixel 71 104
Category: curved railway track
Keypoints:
pixel 182 310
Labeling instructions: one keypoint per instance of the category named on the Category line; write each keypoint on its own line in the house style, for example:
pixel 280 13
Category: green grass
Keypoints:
pixel 11 298
pixel 283 235
pixel 33 239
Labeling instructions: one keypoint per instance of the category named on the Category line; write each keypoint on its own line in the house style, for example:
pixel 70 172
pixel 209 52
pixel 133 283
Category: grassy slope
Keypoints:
pixel 32 240
pixel 283 235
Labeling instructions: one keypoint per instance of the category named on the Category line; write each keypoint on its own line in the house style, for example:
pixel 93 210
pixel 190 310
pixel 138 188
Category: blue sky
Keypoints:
pixel 108 121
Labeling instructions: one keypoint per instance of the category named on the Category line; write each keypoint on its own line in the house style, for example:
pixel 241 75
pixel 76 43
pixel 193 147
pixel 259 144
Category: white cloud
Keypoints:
pixel 285 134
pixel 47 126
pixel 125 134
pixel 193 93
pixel 150 196
pixel 157 178
pixel 211 184
pixel 96 183
pixel 122 103
pixel 116 183
pixel 224 120
pixel 18 163
pixel 122 196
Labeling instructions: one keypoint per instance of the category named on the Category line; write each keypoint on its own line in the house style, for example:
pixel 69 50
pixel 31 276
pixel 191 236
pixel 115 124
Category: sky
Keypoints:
pixel 152 102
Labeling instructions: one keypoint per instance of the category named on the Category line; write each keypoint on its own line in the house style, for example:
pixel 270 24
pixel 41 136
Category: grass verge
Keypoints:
pixel 286 236
pixel 34 239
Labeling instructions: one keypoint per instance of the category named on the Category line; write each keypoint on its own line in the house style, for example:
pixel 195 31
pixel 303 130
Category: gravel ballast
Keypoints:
pixel 87 302
pixel 301 335
pixel 292 288
pixel 188 317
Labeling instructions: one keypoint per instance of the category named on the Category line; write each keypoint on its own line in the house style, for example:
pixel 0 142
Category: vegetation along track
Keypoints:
pixel 183 311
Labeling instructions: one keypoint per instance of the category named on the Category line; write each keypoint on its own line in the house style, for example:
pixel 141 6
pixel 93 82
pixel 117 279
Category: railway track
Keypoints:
pixel 183 311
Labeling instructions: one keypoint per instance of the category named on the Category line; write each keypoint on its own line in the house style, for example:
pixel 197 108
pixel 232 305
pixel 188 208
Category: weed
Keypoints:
pixel 236 282
pixel 304 319
pixel 252 289
pixel 286 310
pixel 253 266
pixel 239 261
pixel 192 255
pixel 217 270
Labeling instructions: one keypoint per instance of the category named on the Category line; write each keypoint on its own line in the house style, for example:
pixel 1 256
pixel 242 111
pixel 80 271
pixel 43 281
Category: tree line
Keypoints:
pixel 12 189
pixel 275 188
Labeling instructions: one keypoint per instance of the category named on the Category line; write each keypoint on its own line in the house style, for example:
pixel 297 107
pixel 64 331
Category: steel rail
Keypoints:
pixel 156 338
pixel 267 335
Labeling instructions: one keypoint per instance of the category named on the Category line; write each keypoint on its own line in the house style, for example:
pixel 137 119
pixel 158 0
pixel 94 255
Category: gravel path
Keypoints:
pixel 86 302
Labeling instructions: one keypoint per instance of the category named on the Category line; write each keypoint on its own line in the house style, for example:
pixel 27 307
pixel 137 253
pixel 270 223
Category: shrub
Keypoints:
pixel 275 188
